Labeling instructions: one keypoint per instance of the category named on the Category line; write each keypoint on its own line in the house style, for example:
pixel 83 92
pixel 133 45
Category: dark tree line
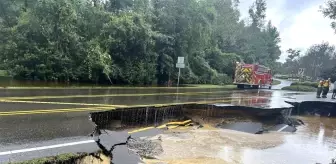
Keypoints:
pixel 318 58
pixel 330 12
pixel 132 41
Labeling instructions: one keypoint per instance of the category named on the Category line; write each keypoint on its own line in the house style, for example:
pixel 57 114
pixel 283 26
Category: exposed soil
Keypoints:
pixel 94 160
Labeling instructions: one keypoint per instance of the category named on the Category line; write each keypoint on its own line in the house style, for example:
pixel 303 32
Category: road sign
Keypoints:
pixel 180 65
pixel 180 60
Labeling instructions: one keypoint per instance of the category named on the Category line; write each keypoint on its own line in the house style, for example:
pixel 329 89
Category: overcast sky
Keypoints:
pixel 300 22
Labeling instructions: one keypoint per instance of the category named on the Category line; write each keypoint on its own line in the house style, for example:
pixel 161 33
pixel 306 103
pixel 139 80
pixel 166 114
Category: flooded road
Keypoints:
pixel 313 143
pixel 30 116
pixel 26 117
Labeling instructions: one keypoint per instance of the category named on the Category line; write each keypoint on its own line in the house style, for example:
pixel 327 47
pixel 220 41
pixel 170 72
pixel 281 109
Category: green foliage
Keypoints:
pixel 200 86
pixel 62 158
pixel 330 11
pixel 329 73
pixel 132 41
pixel 311 84
pixel 319 57
pixel 301 88
pixel 276 82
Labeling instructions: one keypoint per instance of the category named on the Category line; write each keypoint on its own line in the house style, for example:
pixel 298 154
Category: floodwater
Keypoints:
pixel 315 142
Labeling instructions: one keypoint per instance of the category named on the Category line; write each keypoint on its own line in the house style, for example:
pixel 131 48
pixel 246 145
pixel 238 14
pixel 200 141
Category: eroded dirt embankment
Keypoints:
pixel 212 127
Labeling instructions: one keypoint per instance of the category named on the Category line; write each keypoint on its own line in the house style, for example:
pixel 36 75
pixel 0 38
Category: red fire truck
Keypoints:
pixel 253 75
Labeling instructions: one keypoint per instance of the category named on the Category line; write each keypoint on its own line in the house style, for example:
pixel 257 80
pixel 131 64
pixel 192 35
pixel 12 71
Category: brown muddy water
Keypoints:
pixel 315 142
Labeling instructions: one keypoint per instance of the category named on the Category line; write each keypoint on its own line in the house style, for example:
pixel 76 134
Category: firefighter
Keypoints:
pixel 325 89
pixel 334 91
pixel 319 89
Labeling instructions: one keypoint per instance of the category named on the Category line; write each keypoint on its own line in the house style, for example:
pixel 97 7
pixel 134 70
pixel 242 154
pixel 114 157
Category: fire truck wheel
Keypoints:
pixel 240 86
pixel 259 84
pixel 270 87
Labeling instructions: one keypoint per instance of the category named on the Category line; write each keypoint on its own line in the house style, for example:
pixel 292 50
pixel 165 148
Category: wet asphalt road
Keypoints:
pixel 25 118
pixel 29 116
pixel 38 117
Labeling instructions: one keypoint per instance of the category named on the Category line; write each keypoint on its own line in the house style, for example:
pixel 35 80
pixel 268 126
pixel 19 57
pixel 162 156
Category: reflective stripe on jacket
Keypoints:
pixel 326 84
pixel 320 84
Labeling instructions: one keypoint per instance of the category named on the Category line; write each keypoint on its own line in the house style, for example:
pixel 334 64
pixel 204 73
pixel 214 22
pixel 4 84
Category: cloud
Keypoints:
pixel 309 27
pixel 300 23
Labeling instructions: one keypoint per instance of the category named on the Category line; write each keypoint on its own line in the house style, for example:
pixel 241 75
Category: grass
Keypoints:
pixel 311 84
pixel 3 73
pixel 276 82
pixel 302 88
pixel 187 86
pixel 209 86
pixel 62 158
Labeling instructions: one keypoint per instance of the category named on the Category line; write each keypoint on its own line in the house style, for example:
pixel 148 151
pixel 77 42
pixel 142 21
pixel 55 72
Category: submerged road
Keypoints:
pixel 34 115
pixel 29 117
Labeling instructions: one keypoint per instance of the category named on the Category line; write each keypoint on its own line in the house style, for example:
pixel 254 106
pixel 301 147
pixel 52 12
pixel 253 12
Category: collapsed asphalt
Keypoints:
pixel 30 129
pixel 17 127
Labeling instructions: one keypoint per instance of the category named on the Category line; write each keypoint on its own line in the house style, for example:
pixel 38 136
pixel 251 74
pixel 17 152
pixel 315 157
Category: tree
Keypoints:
pixel 330 12
pixel 293 54
pixel 132 41
pixel 319 57
pixel 257 13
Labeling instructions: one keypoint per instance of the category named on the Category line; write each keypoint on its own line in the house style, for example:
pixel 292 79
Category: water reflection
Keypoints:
pixel 320 135
pixel 310 144
pixel 260 98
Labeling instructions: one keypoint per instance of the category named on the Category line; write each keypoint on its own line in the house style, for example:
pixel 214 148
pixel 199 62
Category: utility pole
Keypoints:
pixel 180 64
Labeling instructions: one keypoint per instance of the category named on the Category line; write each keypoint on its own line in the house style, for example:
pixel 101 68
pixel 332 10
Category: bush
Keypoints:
pixel 276 82
pixel 311 84
pixel 221 79
pixel 303 88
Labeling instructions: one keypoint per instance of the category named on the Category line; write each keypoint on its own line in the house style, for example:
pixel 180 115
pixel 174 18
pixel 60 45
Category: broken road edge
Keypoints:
pixel 151 115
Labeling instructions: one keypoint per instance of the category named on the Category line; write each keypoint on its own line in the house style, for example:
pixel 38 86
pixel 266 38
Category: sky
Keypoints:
pixel 300 23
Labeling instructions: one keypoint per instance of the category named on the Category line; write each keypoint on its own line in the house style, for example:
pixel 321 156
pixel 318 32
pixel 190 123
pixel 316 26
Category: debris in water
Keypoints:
pixel 147 148
pixel 283 128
